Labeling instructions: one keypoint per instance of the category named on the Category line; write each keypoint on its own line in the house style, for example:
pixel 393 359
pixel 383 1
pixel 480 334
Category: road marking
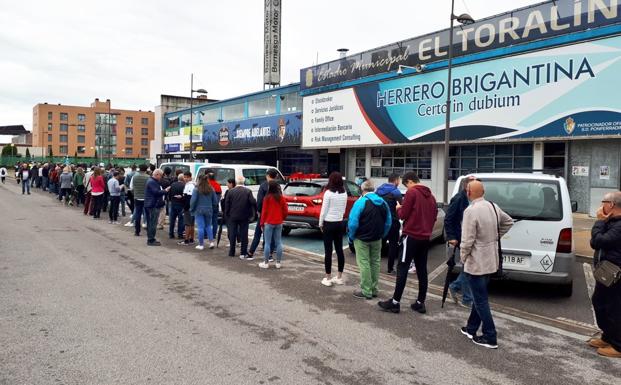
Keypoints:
pixel 590 283
pixel 439 270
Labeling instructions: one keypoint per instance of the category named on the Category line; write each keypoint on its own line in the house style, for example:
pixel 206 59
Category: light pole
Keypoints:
pixel 465 19
pixel 192 91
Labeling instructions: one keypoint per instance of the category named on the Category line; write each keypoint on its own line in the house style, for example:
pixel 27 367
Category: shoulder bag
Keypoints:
pixel 607 273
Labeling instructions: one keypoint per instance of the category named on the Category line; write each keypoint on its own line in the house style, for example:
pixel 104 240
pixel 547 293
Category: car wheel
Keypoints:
pixel 566 290
pixel 286 231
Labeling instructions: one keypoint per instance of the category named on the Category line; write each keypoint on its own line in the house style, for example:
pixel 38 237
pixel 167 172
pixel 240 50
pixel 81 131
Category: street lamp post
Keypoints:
pixel 465 19
pixel 192 91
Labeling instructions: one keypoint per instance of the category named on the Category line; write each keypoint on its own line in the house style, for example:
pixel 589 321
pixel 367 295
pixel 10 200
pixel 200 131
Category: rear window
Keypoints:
pixel 221 174
pixel 302 189
pixel 522 199
pixel 256 176
pixel 174 167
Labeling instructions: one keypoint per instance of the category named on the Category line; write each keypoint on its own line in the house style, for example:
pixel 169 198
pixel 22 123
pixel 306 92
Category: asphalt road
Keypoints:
pixel 85 302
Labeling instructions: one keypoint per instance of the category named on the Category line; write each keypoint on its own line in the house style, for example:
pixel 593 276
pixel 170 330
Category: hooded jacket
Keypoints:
pixel 419 212
pixel 369 219
pixel 391 195
pixel 455 215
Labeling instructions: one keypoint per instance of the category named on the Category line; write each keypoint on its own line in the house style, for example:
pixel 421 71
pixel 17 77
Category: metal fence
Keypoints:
pixel 10 161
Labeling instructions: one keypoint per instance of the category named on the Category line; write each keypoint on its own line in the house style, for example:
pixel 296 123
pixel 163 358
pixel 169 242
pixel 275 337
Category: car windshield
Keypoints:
pixel 525 199
pixel 302 189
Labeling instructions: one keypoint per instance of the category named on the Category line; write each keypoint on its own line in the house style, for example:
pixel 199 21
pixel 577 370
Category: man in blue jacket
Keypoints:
pixel 369 222
pixel 153 203
pixel 452 228
pixel 392 195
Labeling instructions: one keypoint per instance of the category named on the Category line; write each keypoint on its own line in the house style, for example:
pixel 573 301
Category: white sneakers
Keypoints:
pixel 334 281
pixel 129 224
pixel 199 247
pixel 264 265
pixel 212 245
pixel 278 265
pixel 412 268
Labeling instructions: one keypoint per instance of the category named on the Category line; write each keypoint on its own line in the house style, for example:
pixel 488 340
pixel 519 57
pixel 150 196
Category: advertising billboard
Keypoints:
pixel 271 42
pixel 260 132
pixel 536 22
pixel 562 92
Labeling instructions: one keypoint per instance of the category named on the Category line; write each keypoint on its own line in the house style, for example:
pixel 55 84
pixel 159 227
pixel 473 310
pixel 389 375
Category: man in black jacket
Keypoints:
pixel 165 182
pixel 271 175
pixel 175 196
pixel 606 240
pixel 239 206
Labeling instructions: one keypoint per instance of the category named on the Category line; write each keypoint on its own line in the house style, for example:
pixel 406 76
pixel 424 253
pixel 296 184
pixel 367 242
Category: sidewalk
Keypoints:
pixel 582 235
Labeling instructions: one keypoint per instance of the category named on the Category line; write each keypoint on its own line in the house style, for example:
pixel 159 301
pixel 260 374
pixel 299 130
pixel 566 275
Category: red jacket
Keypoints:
pixel 419 212
pixel 98 184
pixel 274 212
pixel 216 186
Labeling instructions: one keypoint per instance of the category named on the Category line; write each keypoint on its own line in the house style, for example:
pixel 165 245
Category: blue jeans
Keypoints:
pixel 257 238
pixel 44 183
pixel 137 215
pixel 26 186
pixel 272 234
pixel 204 224
pixel 152 215
pixel 461 285
pixel 176 212
pixel 480 312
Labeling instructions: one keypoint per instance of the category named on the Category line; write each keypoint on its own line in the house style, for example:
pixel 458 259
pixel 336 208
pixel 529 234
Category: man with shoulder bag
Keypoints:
pixel 606 241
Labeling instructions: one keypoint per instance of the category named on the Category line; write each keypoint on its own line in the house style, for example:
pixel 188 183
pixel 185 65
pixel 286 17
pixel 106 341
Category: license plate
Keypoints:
pixel 296 208
pixel 518 260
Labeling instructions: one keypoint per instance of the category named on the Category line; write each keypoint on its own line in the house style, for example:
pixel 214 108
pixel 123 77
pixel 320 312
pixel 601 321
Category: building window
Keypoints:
pixel 81 139
pixel 49 137
pixel 172 122
pixel 209 116
pixel 129 151
pixel 64 116
pixel 144 121
pixel 81 117
pixel 233 112
pixel 81 149
pixel 361 161
pixel 50 127
pixel 259 107
pixel 129 131
pixel 144 131
pixel 144 151
pixel 64 127
pixel 129 120
pixel 554 157
pixel 185 120
pixel 387 161
pixel 81 128
pixel 290 103
pixel 49 149
pixel 50 115
pixel 63 149
pixel 63 138
pixel 144 142
pixel 129 141
pixel 489 158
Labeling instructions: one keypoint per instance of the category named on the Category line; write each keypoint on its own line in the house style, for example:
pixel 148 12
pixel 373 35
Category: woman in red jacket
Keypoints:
pixel 272 216
pixel 98 187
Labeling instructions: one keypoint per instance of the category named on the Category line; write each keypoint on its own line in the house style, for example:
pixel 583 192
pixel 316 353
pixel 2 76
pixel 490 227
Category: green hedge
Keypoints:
pixel 10 161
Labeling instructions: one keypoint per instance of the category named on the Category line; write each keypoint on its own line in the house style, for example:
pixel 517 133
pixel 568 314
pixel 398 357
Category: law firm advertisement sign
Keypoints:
pixel 562 92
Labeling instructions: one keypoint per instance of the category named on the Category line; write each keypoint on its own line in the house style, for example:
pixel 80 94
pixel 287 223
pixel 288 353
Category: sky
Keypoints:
pixel 132 51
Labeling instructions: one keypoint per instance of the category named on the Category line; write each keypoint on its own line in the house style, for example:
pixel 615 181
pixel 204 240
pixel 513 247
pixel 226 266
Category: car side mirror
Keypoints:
pixel 574 206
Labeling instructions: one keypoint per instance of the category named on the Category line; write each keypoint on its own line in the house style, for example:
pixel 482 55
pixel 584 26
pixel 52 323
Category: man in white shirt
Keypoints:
pixel 87 192
pixel 188 219
pixel 3 173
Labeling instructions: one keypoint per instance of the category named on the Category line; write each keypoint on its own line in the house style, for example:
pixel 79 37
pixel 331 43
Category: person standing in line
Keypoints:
pixel 452 229
pixel 45 173
pixel 419 213
pixel 218 190
pixel 97 192
pixel 188 218
pixel 25 178
pixel 390 244
pixel 606 240
pixel 165 182
pixel 123 196
pixel 78 183
pixel 129 194
pixel 203 205
pixel 369 222
pixel 275 212
pixel 153 203
pixel 40 177
pixel 66 180
pixel 88 199
pixel 239 207
pixel 34 175
pixel 138 186
pixel 114 188
pixel 483 225
pixel 270 175
pixel 332 226
pixel 175 216
pixel 3 173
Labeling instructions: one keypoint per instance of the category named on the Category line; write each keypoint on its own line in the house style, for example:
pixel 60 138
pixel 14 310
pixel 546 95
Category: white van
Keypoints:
pixel 254 174
pixel 539 247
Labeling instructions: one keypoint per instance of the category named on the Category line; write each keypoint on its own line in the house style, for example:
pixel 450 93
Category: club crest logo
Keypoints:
pixel 309 78
pixel 223 136
pixel 282 129
pixel 569 125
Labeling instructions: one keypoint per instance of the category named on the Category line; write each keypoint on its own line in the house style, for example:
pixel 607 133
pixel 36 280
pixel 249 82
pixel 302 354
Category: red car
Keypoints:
pixel 304 198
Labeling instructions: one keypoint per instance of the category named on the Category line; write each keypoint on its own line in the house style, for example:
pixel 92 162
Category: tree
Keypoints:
pixel 9 150
pixel 27 153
